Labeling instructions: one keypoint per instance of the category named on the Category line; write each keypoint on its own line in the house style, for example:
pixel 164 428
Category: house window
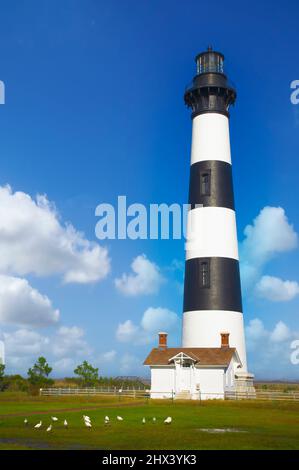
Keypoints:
pixel 205 183
pixel 205 274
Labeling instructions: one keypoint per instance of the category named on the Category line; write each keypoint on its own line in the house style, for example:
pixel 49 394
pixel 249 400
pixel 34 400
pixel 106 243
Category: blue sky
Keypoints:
pixel 94 109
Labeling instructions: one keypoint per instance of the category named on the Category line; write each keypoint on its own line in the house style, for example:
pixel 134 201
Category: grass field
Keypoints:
pixel 243 425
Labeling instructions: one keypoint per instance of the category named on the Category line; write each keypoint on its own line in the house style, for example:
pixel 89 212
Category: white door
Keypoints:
pixel 186 378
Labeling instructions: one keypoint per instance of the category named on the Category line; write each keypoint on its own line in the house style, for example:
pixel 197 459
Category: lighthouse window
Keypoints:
pixel 205 274
pixel 205 183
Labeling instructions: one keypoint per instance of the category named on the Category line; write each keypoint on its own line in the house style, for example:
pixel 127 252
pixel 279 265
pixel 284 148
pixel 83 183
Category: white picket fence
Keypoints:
pixel 92 391
pixel 145 393
pixel 263 395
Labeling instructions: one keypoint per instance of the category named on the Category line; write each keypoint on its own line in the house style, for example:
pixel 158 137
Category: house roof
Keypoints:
pixel 201 356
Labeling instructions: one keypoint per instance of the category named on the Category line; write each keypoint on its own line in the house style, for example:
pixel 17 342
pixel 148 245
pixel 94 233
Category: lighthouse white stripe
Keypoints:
pixel 211 232
pixel 202 329
pixel 210 138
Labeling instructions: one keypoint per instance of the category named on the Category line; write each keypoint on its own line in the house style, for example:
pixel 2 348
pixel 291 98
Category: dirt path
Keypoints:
pixel 66 410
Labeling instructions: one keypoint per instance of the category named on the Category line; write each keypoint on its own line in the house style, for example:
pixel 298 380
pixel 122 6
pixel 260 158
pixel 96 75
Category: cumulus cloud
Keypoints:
pixel 270 346
pixel 270 234
pixel 21 304
pixel 153 321
pixel 277 290
pixel 126 331
pixel 64 348
pixel 69 341
pixel 24 342
pixel 157 319
pixel 256 331
pixel 34 240
pixel 280 333
pixel 146 278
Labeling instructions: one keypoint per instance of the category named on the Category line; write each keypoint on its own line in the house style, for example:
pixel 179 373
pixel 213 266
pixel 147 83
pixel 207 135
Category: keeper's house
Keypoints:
pixel 196 373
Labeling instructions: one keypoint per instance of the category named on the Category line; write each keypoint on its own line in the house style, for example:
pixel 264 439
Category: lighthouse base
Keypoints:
pixel 244 387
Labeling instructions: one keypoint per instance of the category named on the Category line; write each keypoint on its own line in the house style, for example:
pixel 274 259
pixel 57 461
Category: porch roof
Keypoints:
pixel 201 356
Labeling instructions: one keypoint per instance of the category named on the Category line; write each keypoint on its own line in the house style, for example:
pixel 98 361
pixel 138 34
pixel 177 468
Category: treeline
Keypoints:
pixel 38 376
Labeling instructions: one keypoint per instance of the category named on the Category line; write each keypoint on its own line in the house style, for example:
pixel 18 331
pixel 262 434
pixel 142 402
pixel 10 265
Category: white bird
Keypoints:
pixel 154 419
pixel 54 418
pixel 65 423
pixel 38 425
pixel 143 421
pixel 88 424
pixel 168 420
pixel 25 421
pixel 49 428
pixel 119 418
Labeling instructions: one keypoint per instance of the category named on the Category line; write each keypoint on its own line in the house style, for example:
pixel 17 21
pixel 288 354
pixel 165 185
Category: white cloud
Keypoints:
pixel 108 356
pixel 270 350
pixel 69 341
pixel 33 240
pixel 126 331
pixel 146 279
pixel 275 289
pixel 64 349
pixel 21 304
pixel 280 333
pixel 159 319
pixel 270 234
pixel 24 342
pixel 153 321
pixel 255 330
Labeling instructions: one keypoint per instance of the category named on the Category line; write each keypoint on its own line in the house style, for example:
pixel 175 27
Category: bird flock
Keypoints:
pixel 88 424
pixel 50 427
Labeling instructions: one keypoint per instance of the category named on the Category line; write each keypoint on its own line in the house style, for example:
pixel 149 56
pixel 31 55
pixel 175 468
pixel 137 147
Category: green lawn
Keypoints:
pixel 252 425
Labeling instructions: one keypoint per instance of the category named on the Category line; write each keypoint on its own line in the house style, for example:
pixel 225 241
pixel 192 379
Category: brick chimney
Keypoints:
pixel 162 340
pixel 224 340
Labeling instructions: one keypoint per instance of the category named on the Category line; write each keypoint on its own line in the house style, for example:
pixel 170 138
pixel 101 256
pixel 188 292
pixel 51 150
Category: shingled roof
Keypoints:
pixel 201 356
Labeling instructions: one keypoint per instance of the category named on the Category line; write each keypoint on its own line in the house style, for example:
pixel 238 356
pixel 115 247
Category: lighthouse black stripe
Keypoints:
pixel 211 184
pixel 221 288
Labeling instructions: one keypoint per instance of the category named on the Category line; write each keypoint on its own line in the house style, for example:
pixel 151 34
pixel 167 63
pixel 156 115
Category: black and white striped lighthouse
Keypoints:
pixel 212 291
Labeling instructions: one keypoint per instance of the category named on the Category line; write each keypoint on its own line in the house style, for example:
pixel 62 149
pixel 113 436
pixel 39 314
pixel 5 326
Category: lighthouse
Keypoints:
pixel 212 290
pixel 211 362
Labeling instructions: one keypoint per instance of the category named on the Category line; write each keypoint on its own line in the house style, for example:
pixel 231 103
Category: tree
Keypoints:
pixel 38 375
pixel 88 374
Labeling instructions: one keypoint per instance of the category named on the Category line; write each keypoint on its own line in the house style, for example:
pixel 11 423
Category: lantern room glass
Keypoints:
pixel 209 62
